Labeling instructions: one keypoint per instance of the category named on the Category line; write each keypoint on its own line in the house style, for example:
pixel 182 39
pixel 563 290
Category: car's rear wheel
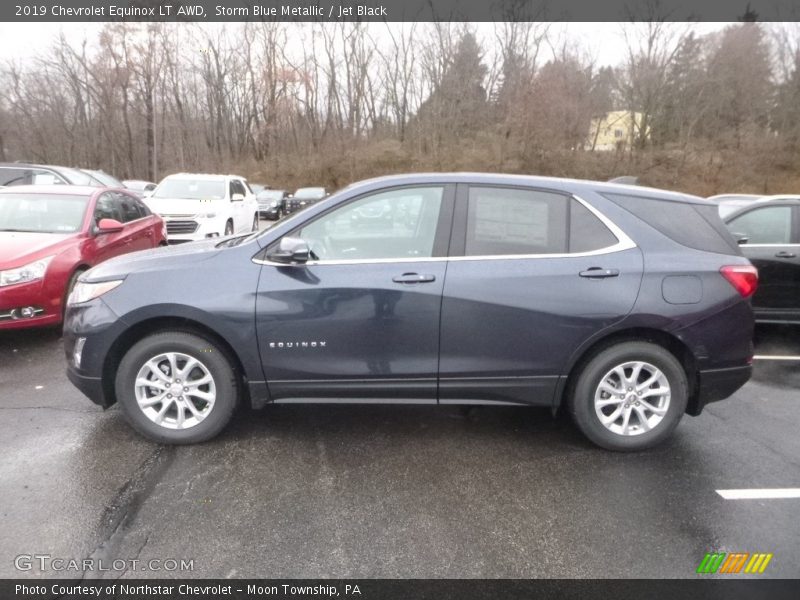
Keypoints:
pixel 630 396
pixel 255 223
pixel 176 388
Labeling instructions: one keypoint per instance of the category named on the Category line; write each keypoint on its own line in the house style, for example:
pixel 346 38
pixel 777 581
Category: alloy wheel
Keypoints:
pixel 632 398
pixel 175 390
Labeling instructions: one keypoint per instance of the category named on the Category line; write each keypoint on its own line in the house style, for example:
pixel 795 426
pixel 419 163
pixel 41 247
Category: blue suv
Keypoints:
pixel 625 306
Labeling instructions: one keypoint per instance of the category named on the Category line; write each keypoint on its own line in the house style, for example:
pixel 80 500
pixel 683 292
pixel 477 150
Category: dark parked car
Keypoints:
pixel 12 174
pixel 768 231
pixel 626 306
pixel 302 198
pixel 270 203
pixel 51 234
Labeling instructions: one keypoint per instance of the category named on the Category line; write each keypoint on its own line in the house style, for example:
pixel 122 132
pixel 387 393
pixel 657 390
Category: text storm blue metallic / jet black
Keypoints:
pixel 627 306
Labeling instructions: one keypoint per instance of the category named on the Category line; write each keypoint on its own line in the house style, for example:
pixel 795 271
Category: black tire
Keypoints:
pixel 196 347
pixel 255 223
pixel 581 402
pixel 228 228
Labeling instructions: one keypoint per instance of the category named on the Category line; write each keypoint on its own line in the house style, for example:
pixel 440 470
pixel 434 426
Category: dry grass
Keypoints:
pixel 761 168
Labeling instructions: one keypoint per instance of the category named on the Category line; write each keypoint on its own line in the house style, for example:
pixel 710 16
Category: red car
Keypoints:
pixel 50 234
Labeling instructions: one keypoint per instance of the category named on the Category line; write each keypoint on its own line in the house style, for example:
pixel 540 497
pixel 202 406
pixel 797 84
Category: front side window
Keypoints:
pixel 236 188
pixel 769 225
pixel 128 208
pixel 397 224
pixel 107 208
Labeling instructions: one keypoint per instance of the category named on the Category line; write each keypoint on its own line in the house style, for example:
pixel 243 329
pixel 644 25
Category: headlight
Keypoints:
pixel 274 204
pixel 210 215
pixel 30 272
pixel 83 292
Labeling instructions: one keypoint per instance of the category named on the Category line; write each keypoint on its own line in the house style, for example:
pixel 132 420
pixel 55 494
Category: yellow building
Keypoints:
pixel 616 130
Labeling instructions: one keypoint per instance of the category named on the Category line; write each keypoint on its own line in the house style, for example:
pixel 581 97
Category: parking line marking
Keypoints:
pixel 760 494
pixel 768 357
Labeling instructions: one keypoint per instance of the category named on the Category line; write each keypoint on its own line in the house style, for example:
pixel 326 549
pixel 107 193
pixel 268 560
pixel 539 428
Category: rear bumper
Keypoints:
pixel 777 316
pixel 717 384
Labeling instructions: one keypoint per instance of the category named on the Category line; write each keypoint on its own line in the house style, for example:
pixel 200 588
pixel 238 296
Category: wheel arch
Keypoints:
pixel 659 337
pixel 146 327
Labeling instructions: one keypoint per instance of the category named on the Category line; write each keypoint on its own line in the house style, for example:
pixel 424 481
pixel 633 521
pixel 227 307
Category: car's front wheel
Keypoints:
pixel 176 388
pixel 630 396
pixel 255 223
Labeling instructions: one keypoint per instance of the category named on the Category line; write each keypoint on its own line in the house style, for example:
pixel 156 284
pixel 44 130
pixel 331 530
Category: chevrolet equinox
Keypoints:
pixel 625 306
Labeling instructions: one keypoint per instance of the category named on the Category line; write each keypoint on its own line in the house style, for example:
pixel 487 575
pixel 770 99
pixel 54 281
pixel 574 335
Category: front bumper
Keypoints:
pixel 717 384
pixel 92 387
pixel 269 212
pixel 101 327
pixel 39 295
pixel 205 229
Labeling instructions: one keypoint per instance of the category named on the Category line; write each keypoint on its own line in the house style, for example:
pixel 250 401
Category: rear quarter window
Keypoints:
pixel 696 226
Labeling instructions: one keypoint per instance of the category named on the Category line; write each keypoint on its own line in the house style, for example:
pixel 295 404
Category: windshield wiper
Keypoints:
pixel 24 230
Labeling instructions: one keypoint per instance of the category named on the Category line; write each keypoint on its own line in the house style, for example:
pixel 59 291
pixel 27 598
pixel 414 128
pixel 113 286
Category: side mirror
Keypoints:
pixel 291 250
pixel 741 238
pixel 237 197
pixel 109 226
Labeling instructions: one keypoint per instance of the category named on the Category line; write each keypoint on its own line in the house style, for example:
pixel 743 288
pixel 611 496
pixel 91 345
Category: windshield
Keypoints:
pixel 191 189
pixel 730 207
pixel 77 177
pixel 44 213
pixel 106 179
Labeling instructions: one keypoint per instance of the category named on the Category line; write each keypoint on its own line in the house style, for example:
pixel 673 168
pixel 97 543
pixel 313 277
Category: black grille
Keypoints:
pixel 181 227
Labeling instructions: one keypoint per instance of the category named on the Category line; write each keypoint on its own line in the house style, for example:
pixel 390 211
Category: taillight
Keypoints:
pixel 744 278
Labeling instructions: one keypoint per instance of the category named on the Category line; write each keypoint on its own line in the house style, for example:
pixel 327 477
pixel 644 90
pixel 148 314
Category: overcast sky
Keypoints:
pixel 603 41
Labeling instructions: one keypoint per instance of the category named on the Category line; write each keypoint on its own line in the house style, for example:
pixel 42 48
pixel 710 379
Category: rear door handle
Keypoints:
pixel 413 278
pixel 784 254
pixel 599 273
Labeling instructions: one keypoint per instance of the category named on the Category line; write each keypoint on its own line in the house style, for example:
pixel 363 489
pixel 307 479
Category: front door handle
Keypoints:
pixel 413 278
pixel 784 254
pixel 599 273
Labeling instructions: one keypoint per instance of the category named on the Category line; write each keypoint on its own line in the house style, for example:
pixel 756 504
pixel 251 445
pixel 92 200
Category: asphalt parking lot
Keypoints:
pixel 362 491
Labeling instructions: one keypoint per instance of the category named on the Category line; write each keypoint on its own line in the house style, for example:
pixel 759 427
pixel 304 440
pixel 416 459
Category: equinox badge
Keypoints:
pixel 297 344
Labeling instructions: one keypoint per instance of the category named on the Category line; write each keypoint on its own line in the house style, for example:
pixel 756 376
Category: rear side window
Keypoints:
pixel 768 225
pixel 507 221
pixel 586 231
pixel 9 177
pixel 13 176
pixel 693 225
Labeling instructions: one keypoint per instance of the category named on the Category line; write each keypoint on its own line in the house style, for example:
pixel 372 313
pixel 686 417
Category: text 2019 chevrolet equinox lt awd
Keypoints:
pixel 626 306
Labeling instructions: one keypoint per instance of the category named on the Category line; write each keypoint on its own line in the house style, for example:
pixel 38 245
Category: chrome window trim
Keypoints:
pixel 624 242
pixel 769 245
